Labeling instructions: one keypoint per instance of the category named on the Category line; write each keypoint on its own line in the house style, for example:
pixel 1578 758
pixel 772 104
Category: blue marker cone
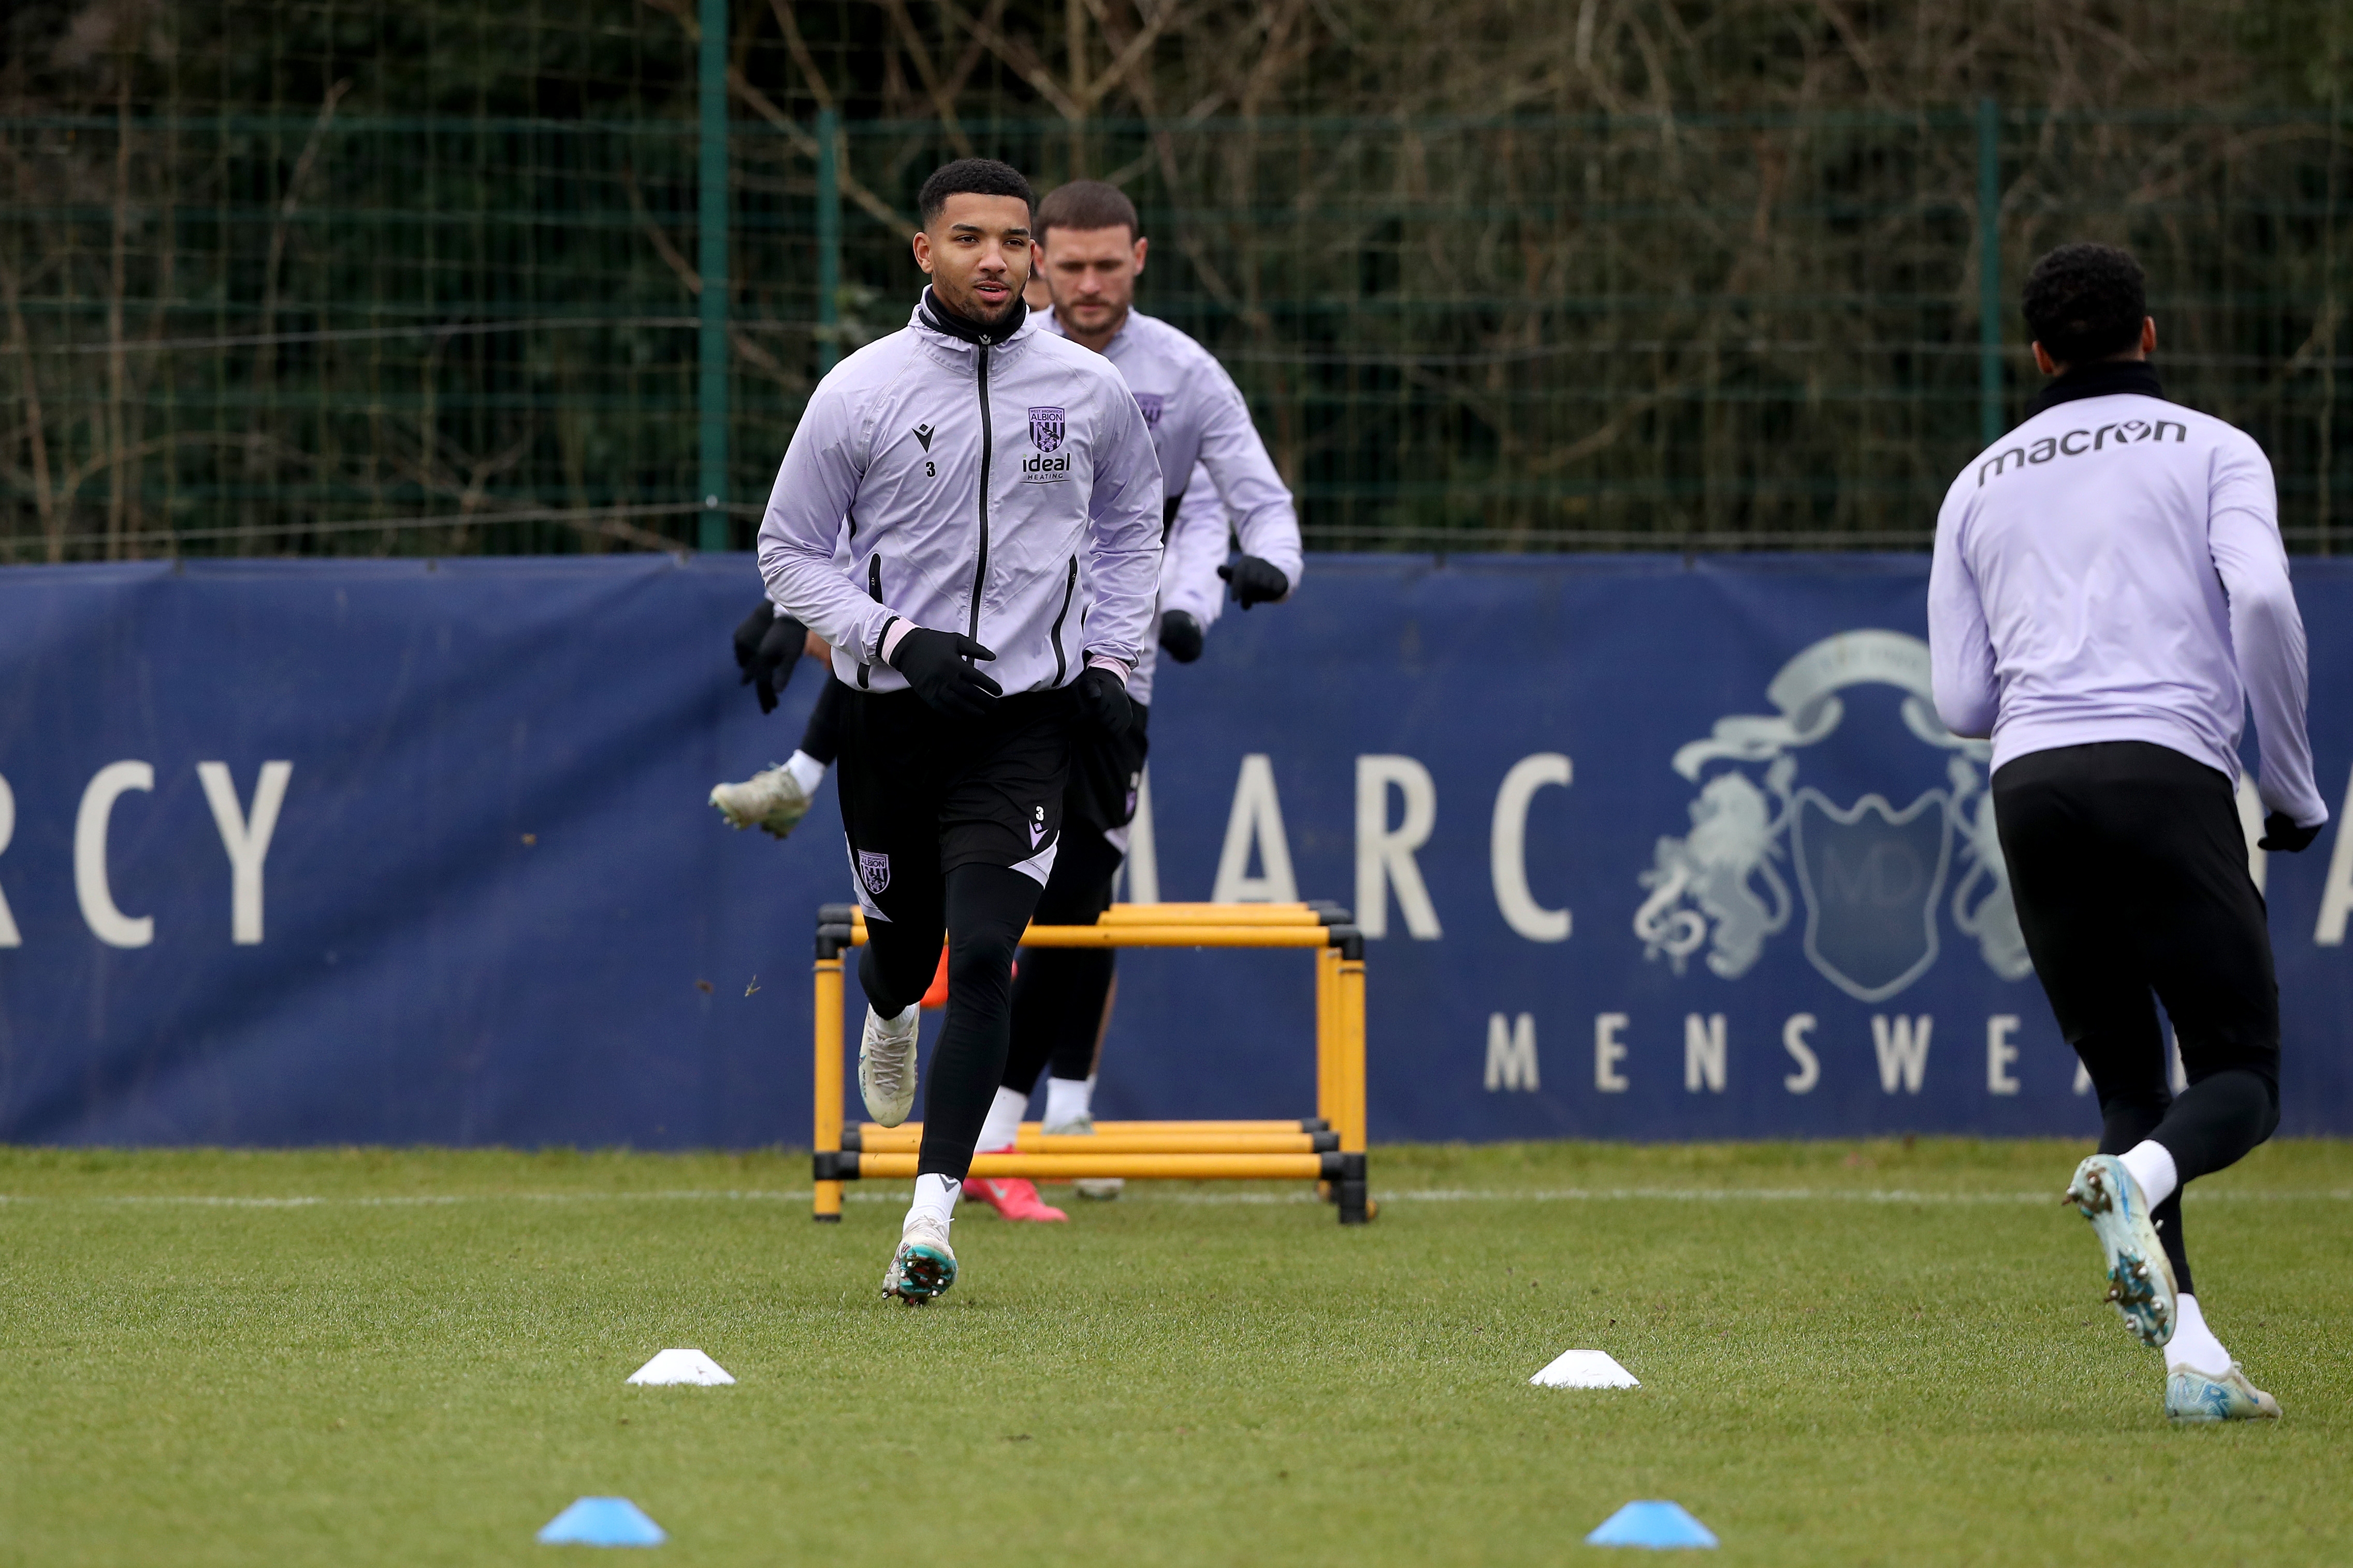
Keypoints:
pixel 602 1521
pixel 1662 1526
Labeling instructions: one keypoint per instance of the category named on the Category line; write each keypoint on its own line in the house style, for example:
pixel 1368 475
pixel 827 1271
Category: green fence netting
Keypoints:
pixel 340 332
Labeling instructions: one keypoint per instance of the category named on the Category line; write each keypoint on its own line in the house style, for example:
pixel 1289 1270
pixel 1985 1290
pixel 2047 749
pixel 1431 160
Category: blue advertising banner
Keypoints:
pixel 400 852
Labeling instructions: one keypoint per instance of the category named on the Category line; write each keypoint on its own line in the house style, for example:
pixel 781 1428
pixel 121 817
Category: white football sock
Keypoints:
pixel 1004 1123
pixel 2152 1167
pixel 935 1198
pixel 2194 1344
pixel 1067 1098
pixel 805 770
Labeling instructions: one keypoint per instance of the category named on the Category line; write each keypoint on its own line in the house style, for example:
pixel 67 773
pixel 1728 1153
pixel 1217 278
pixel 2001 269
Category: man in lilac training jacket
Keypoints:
pixel 2109 596
pixel 944 491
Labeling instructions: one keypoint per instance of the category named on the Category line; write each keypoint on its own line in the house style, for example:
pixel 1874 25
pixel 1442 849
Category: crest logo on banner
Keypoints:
pixel 1151 403
pixel 1872 875
pixel 1045 428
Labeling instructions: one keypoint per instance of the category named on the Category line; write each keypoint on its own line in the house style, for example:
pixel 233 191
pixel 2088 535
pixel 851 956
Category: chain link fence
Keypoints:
pixel 333 331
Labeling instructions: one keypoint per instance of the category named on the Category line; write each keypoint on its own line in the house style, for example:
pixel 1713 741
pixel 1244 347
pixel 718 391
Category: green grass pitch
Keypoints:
pixel 1849 1353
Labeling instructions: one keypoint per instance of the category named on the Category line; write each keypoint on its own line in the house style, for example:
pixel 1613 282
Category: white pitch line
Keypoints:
pixel 891 1193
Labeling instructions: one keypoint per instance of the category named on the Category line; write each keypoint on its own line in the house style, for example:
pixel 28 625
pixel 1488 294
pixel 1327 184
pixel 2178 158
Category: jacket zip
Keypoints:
pixel 987 444
pixel 874 589
pixel 1070 587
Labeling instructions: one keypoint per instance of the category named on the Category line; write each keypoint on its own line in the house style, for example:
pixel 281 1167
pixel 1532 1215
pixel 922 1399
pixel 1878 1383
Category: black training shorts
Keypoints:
pixel 923 792
pixel 1105 777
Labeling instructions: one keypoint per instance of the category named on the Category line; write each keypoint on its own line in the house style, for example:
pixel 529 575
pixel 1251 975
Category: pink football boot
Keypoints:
pixel 1013 1197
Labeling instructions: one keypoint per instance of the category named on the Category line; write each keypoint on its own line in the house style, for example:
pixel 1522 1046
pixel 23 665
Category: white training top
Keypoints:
pixel 974 479
pixel 2112 570
pixel 1201 430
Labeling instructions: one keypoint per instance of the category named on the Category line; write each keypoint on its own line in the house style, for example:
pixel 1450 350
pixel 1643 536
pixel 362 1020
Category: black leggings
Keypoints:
pixel 986 908
pixel 1063 994
pixel 2129 870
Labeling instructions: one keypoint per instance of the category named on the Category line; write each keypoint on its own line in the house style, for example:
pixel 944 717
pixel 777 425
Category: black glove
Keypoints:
pixel 1180 633
pixel 1255 582
pixel 938 666
pixel 2281 833
pixel 1104 701
pixel 767 649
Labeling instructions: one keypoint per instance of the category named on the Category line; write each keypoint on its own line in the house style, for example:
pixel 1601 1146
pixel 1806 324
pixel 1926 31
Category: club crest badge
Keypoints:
pixel 873 872
pixel 1874 879
pixel 1045 428
pixel 1871 875
pixel 1151 403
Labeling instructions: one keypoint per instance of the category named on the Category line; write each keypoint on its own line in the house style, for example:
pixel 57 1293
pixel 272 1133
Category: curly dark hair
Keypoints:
pixel 972 176
pixel 2086 302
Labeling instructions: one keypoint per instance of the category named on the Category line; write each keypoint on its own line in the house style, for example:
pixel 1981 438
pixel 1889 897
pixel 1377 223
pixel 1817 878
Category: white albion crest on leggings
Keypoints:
pixel 873 873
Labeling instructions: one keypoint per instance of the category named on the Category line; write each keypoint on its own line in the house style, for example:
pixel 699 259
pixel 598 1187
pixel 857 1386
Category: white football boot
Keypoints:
pixel 924 1265
pixel 2140 1278
pixel 886 1065
pixel 2194 1395
pixel 1102 1189
pixel 772 800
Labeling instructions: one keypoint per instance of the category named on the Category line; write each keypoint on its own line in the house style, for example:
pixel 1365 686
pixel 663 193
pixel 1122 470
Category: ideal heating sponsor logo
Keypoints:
pixel 2075 443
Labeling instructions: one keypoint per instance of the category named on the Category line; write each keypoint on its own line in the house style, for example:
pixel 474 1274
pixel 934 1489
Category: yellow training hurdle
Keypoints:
pixel 1327 1148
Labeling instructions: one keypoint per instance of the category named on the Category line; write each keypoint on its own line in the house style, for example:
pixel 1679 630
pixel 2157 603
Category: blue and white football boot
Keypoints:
pixel 2140 1279
pixel 2194 1395
pixel 924 1265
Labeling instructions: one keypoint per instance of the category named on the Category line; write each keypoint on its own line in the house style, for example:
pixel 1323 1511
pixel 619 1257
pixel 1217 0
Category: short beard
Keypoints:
pixel 971 309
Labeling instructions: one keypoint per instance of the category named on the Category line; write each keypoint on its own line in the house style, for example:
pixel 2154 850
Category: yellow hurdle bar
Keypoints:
pixel 1139 935
pixel 1348 1117
pixel 1196 1150
pixel 828 1079
pixel 893 1142
pixel 1211 914
pixel 1176 925
pixel 1068 1167
pixel 914 1130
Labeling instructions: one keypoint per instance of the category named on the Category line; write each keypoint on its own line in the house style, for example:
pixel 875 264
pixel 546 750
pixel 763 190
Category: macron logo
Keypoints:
pixel 924 433
pixel 2075 443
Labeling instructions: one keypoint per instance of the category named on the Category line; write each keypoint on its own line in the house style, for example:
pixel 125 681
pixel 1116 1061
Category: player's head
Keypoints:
pixel 2086 303
pixel 975 238
pixel 1092 247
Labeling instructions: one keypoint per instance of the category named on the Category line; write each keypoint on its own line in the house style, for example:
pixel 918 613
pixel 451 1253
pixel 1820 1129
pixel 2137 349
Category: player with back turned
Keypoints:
pixel 945 490
pixel 2109 596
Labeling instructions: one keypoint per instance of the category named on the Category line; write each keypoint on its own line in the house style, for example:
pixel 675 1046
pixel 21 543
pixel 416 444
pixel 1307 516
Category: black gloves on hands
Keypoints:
pixel 1104 701
pixel 937 664
pixel 1180 633
pixel 1255 582
pixel 767 647
pixel 2282 833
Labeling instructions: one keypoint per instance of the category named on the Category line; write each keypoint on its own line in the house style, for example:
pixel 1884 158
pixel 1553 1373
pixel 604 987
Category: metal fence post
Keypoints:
pixel 829 240
pixel 1990 423
pixel 710 400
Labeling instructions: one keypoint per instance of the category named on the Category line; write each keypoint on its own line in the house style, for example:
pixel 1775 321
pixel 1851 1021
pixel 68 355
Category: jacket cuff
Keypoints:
pixel 1118 667
pixel 894 632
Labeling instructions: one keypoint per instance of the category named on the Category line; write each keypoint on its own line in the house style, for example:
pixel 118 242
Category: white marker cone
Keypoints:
pixel 1585 1369
pixel 683 1366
